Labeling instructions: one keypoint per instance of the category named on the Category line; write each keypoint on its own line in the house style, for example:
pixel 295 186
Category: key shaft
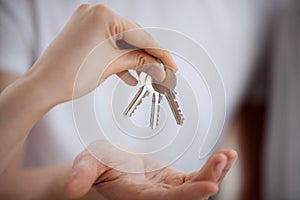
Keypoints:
pixel 170 96
pixel 136 101
pixel 156 98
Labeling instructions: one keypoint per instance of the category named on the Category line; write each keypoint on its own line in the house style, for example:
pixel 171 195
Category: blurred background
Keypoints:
pixel 256 48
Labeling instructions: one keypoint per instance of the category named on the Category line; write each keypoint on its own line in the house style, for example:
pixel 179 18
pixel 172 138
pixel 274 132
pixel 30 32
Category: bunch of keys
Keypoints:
pixel 158 91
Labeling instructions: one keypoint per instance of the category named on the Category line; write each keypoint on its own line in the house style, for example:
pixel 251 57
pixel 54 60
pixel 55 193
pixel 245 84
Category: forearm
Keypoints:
pixel 39 184
pixel 22 104
pixel 35 184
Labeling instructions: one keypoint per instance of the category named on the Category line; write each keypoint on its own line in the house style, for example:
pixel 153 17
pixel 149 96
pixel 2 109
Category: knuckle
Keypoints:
pixel 82 8
pixel 100 13
pixel 179 179
pixel 100 10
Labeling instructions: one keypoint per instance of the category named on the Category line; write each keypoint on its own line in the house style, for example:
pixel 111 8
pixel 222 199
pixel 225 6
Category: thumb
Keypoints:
pixel 216 167
pixel 86 169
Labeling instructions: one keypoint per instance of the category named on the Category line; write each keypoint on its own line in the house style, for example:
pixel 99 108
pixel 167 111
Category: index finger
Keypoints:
pixel 136 36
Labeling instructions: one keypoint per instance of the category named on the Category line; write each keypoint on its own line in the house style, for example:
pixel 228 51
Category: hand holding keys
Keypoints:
pixel 158 90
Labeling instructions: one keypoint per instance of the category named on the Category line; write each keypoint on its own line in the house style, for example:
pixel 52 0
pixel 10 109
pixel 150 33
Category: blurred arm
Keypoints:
pixel 22 97
pixel 6 79
pixel 40 183
pixel 45 184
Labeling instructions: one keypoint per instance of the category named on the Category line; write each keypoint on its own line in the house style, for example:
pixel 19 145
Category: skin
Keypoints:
pixel 50 82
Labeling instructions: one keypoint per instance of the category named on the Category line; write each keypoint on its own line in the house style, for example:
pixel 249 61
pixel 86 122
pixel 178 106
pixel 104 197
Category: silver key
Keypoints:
pixel 156 98
pixel 145 80
pixel 166 88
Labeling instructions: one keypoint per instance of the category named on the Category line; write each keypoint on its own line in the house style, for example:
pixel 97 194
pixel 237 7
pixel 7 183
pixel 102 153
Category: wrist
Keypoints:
pixel 45 86
pixel 34 90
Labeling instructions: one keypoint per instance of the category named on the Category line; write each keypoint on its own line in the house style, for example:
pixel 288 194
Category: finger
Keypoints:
pixel 86 169
pixel 127 78
pixel 140 61
pixel 193 191
pixel 212 170
pixel 216 167
pixel 231 158
pixel 137 37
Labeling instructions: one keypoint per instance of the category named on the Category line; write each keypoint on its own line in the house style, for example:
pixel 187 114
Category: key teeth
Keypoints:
pixel 137 105
pixel 154 124
pixel 157 116
pixel 178 107
pixel 174 94
pixel 158 109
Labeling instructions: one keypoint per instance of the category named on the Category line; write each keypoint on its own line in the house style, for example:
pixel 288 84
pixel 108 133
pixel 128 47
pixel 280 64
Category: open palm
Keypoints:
pixel 165 183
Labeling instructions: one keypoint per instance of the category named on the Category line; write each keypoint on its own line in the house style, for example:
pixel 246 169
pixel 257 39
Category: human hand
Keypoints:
pixel 166 183
pixel 89 26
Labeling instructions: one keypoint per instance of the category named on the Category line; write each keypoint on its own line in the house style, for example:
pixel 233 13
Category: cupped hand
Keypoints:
pixel 89 27
pixel 164 183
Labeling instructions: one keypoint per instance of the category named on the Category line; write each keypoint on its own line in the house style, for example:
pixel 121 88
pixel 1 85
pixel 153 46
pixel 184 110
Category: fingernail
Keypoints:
pixel 220 167
pixel 157 73
pixel 229 164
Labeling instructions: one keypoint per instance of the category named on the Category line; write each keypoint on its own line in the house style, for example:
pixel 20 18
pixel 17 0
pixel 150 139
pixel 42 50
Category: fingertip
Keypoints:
pixel 170 63
pixel 231 160
pixel 231 155
pixel 174 69
pixel 219 157
pixel 174 66
pixel 215 160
